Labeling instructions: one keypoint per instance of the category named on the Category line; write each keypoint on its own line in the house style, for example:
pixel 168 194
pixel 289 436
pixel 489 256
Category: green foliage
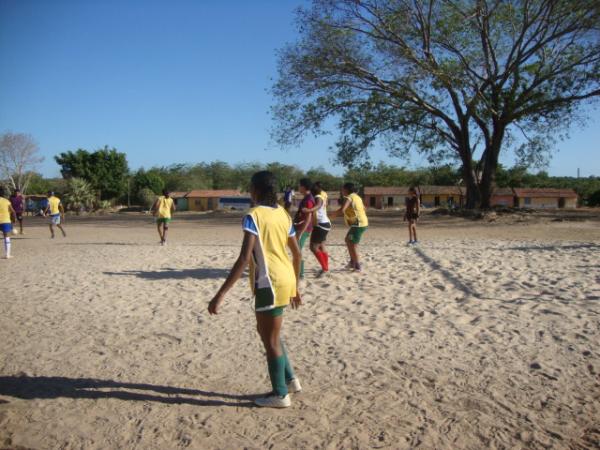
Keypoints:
pixel 106 170
pixel 594 198
pixel 79 196
pixel 150 179
pixel 146 197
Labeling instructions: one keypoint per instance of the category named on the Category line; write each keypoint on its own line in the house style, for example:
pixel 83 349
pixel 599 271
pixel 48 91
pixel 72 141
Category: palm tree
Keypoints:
pixel 80 195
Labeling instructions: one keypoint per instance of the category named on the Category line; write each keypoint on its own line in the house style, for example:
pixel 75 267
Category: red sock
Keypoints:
pixel 323 259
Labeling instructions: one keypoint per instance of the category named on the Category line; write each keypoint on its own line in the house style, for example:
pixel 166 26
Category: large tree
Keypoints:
pixel 464 79
pixel 19 158
pixel 106 170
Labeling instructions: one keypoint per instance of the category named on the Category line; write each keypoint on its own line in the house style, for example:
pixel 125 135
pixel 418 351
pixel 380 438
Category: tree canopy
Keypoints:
pixel 459 80
pixel 106 170
pixel 19 157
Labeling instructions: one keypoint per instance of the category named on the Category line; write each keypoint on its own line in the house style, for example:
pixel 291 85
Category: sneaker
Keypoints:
pixel 358 267
pixel 322 273
pixel 294 386
pixel 273 401
pixel 350 265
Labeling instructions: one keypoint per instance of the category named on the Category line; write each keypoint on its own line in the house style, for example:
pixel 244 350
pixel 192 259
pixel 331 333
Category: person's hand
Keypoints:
pixel 305 210
pixel 296 301
pixel 214 305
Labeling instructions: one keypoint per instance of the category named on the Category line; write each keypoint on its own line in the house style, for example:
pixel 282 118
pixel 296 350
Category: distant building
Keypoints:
pixel 333 199
pixel 208 199
pixel 545 198
pixel 503 197
pixel 381 197
pixel 438 196
pixel 181 202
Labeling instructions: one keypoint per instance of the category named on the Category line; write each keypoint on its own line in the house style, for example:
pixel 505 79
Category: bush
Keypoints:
pixel 594 198
pixel 146 197
pixel 79 196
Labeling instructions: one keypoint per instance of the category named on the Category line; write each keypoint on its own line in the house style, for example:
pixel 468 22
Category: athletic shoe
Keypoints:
pixel 323 273
pixel 294 386
pixel 350 265
pixel 410 242
pixel 7 257
pixel 273 401
pixel 358 267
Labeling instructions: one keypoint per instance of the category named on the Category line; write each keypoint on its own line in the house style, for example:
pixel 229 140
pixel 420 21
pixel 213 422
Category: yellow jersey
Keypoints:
pixel 271 266
pixel 164 207
pixel 4 210
pixel 355 215
pixel 53 203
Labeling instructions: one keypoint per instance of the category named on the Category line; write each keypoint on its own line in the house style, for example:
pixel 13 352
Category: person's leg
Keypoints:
pixel 21 225
pixel 165 229
pixel 6 244
pixel 269 328
pixel 289 371
pixel 410 238
pixel 60 227
pixel 51 230
pixel 414 230
pixel 301 243
pixel 350 247
pixel 325 256
pixel 160 234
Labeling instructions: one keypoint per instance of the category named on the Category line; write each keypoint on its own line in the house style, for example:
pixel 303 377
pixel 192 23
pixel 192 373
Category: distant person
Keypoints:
pixel 30 207
pixel 303 221
pixel 355 217
pixel 55 210
pixel 322 226
pixel 288 198
pixel 43 206
pixel 7 215
pixel 162 209
pixel 413 211
pixel 268 230
pixel 18 203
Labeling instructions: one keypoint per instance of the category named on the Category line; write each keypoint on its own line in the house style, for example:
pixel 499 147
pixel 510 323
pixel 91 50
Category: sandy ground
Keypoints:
pixel 484 336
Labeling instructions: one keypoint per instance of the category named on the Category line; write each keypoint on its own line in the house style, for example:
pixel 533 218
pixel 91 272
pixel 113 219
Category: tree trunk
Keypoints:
pixel 469 178
pixel 490 165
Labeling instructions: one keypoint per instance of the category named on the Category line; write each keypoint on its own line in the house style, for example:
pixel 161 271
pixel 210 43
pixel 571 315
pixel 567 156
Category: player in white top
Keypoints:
pixel 321 228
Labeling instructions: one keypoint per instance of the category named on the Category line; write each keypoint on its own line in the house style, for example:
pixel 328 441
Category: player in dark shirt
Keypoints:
pixel 413 210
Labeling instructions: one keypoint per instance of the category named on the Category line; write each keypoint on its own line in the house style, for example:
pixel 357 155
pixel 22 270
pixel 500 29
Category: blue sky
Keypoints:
pixel 168 82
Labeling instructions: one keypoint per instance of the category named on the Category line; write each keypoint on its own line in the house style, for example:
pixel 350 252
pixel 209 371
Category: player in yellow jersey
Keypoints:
pixel 355 217
pixel 268 232
pixel 56 212
pixel 7 216
pixel 162 209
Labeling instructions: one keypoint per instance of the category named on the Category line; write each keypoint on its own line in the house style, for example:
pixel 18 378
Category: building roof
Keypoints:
pixel 505 192
pixel 386 190
pixel 439 190
pixel 178 194
pixel 215 193
pixel 545 193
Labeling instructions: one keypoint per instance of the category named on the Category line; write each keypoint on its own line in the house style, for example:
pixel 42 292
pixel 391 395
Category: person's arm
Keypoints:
pixel 154 208
pixel 236 272
pixel 342 208
pixel 173 207
pixel 297 260
pixel 13 214
pixel 418 208
pixel 303 226
pixel 314 208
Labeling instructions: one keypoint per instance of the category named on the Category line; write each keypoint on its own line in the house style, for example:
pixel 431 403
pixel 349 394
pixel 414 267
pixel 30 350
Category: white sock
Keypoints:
pixel 7 246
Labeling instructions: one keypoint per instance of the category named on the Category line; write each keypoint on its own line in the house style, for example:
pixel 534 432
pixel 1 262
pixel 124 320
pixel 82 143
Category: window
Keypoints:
pixel 436 201
pixel 390 202
pixel 372 201
pixel 197 202
pixel 528 200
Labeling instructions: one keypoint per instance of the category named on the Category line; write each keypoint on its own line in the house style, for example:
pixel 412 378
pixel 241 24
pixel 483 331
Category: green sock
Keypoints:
pixel 289 372
pixel 277 374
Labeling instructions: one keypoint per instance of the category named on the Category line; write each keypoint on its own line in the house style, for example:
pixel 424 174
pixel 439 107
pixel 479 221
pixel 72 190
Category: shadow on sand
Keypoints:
pixel 452 278
pixel 173 274
pixel 29 388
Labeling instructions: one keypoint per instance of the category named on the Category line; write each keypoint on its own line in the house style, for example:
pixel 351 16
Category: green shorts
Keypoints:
pixel 164 220
pixel 263 297
pixel 355 234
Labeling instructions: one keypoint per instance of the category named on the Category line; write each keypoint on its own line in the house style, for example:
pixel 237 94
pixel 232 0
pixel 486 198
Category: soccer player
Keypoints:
pixel 162 209
pixel 18 203
pixel 303 221
pixel 268 230
pixel 321 228
pixel 413 211
pixel 355 217
pixel 7 215
pixel 55 209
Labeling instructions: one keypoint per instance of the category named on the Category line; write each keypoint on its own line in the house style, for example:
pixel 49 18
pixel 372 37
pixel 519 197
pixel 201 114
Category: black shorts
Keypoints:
pixel 19 216
pixel 319 233
pixel 412 216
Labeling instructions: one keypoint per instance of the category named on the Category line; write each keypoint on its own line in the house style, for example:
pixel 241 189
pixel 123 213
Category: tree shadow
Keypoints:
pixel 29 388
pixel 174 274
pixel 555 247
pixel 456 282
